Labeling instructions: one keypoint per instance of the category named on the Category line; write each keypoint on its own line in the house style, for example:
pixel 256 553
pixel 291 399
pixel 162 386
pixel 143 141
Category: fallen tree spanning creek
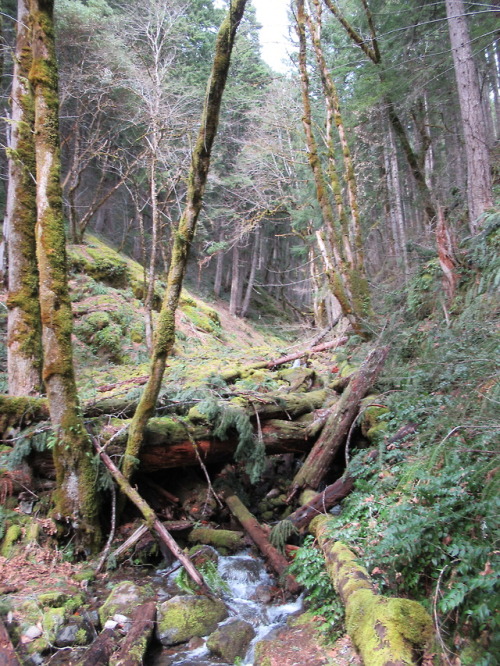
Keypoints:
pixel 307 418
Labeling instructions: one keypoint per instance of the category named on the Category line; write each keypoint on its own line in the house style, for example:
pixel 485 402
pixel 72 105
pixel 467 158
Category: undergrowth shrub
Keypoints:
pixel 424 517
pixel 308 567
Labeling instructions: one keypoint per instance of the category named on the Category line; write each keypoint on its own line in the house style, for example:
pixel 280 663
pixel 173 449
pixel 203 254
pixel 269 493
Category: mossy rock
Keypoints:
pixel 100 262
pixel 124 598
pixel 13 534
pixel 185 616
pixel 231 640
pixel 371 411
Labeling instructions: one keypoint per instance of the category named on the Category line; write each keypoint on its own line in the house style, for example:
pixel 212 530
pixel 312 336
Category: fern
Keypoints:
pixel 281 532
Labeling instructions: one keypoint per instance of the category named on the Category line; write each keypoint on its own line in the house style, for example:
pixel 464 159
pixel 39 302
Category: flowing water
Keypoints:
pixel 249 598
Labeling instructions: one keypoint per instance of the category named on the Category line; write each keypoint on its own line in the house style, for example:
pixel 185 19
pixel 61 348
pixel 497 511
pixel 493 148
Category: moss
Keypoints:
pixel 123 599
pixel 184 617
pixel 13 534
pixel 20 411
pixel 85 575
pixel 53 598
pixel 386 630
pixel 217 538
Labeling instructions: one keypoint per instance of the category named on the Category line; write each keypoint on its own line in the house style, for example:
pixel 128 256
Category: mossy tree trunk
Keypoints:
pixel 24 347
pixel 386 631
pixel 183 235
pixel 339 243
pixel 76 499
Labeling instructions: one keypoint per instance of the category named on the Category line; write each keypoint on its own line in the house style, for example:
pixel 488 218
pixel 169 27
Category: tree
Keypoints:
pixel 24 349
pixel 479 184
pixel 183 235
pixel 339 242
pixel 76 499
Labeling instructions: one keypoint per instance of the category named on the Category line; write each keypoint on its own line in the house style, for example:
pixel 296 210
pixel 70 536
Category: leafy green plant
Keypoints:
pixel 308 567
pixel 211 576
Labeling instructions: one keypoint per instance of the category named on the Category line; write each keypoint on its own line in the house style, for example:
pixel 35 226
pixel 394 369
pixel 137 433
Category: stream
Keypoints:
pixel 249 598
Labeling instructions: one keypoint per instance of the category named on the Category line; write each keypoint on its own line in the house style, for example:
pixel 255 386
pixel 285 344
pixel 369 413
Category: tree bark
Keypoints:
pixel 322 502
pixel 101 649
pixel 152 520
pixel 183 235
pixel 386 631
pixel 479 182
pixel 339 422
pixel 76 500
pixel 258 535
pixel 134 647
pixel 334 239
pixel 24 342
pixel 8 656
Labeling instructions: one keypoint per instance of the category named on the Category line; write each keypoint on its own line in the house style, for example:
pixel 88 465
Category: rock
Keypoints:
pixel 185 616
pixel 123 600
pixel 262 594
pixel 231 640
pixel 78 632
pixel 32 632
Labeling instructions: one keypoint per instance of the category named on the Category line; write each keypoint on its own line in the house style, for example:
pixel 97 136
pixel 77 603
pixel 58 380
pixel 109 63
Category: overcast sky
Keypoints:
pixel 272 15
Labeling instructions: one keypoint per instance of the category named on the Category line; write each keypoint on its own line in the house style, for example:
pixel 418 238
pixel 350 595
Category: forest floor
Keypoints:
pixel 422 517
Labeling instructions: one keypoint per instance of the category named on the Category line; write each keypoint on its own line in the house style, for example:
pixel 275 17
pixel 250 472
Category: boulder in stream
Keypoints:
pixel 185 616
pixel 124 598
pixel 231 640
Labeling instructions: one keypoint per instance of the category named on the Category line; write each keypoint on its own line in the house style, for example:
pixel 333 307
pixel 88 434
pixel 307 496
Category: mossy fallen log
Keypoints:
pixel 134 647
pixel 19 412
pixel 386 631
pixel 177 442
pixel 100 651
pixel 227 539
pixel 321 502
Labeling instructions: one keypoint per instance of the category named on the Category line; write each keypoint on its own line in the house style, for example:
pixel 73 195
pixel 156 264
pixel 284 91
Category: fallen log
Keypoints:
pixel 169 443
pixel 321 502
pixel 18 412
pixel 100 651
pixel 152 520
pixel 313 350
pixel 8 656
pixel 133 648
pixel 386 631
pixel 339 422
pixel 275 559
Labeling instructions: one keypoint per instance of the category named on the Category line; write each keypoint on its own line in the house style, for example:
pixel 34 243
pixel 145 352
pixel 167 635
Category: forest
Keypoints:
pixel 249 327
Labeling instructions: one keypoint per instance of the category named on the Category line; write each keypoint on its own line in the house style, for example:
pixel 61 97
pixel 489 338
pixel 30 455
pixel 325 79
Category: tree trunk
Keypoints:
pixel 334 239
pixel 251 277
pixel 76 500
pixel 339 422
pixel 183 235
pixel 152 520
pixel 479 184
pixel 259 536
pixel 235 296
pixel 24 342
pixel 386 631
